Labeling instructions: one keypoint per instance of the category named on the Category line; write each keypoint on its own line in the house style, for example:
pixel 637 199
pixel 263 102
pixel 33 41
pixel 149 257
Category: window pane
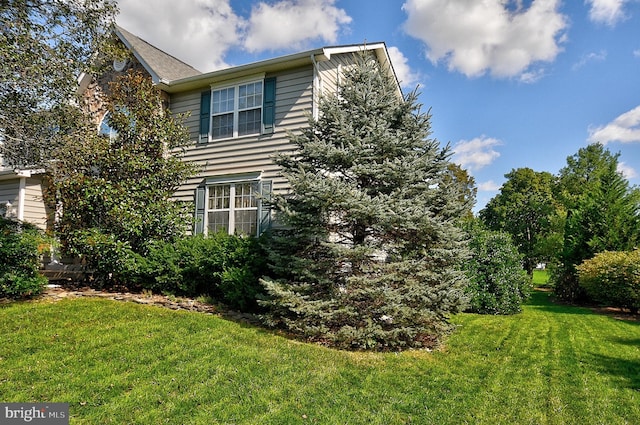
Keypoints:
pixel 249 122
pixel 223 100
pixel 245 197
pixel 222 126
pixel 246 222
pixel 250 96
pixel 219 197
pixel 218 221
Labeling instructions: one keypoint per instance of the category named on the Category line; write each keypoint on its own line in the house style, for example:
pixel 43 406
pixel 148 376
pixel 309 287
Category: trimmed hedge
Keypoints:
pixel 20 259
pixel 224 267
pixel 613 278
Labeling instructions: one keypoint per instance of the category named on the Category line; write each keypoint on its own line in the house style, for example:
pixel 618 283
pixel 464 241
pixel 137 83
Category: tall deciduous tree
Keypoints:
pixel 468 188
pixel 121 184
pixel 372 255
pixel 603 213
pixel 525 208
pixel 44 46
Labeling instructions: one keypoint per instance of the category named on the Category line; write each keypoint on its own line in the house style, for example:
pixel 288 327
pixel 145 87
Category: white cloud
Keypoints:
pixel 625 129
pixel 636 53
pixel 407 77
pixel 590 57
pixel 293 23
pixel 530 77
pixel 201 32
pixel 476 153
pixel 489 186
pixel 627 171
pixel 608 12
pixel 198 32
pixel 497 36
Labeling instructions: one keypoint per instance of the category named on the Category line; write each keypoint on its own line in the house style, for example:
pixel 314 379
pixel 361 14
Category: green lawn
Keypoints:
pixel 121 363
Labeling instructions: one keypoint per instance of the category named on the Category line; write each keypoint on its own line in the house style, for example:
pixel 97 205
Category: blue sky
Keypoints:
pixel 510 83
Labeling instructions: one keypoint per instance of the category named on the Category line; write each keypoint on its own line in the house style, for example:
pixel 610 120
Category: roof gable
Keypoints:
pixel 162 66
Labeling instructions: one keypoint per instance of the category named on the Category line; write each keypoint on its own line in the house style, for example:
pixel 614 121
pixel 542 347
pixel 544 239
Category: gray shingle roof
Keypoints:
pixel 161 65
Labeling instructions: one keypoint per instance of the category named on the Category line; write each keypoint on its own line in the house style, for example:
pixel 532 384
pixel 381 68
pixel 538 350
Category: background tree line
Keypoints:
pixel 564 219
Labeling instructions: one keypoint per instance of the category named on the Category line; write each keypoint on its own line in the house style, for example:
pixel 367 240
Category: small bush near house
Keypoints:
pixel 222 266
pixel 19 260
pixel 499 284
pixel 111 261
pixel 613 278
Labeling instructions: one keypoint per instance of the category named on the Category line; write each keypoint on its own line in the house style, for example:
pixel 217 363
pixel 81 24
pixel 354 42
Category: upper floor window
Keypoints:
pixel 238 110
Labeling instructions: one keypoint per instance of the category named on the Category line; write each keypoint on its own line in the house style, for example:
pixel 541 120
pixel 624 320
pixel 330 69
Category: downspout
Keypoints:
pixel 22 193
pixel 316 87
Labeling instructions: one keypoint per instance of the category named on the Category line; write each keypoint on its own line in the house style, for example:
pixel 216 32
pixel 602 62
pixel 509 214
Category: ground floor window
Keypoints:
pixel 233 208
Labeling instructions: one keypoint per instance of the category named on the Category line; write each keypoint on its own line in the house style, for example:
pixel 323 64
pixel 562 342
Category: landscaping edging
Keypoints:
pixel 57 293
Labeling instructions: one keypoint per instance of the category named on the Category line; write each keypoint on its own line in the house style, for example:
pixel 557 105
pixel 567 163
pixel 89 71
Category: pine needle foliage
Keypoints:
pixel 370 253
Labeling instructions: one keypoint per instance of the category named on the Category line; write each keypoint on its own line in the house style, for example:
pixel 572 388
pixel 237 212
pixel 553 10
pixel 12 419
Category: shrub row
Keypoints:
pixel 19 259
pixel 223 267
pixel 612 278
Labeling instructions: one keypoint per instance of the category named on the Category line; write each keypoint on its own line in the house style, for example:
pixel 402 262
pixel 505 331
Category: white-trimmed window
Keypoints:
pixel 236 110
pixel 105 127
pixel 232 205
pixel 233 208
pixel 242 109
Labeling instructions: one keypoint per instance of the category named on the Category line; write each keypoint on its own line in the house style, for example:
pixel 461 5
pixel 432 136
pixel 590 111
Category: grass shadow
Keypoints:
pixel 543 300
pixel 626 370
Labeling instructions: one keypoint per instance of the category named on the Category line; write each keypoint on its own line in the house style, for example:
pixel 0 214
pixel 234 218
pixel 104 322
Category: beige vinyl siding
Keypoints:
pixel 251 153
pixel 9 191
pixel 331 72
pixel 34 207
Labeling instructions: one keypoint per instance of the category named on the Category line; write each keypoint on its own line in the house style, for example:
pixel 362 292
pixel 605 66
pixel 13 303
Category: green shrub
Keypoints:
pixel 20 260
pixel 110 261
pixel 221 266
pixel 499 284
pixel 612 278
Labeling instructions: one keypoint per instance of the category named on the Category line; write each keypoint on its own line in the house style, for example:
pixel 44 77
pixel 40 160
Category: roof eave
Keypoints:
pixel 273 65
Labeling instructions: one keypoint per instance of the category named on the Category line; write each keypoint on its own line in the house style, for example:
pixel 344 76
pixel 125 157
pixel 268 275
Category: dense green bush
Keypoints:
pixel 221 266
pixel 499 284
pixel 613 278
pixel 111 262
pixel 19 259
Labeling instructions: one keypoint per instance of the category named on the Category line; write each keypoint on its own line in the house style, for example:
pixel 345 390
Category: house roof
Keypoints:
pixel 309 57
pixel 173 76
pixel 162 66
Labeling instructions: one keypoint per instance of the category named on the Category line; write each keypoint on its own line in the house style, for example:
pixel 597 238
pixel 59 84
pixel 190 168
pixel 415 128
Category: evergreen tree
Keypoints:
pixel 603 213
pixel 371 254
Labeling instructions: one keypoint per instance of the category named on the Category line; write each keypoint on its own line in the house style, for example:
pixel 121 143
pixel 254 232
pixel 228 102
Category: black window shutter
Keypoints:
pixel 264 212
pixel 205 116
pixel 200 210
pixel 269 105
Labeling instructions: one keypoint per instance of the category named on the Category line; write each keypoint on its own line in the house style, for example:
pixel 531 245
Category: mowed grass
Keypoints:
pixel 124 363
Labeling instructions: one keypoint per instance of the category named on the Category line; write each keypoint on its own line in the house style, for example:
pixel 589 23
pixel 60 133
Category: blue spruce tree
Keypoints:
pixel 371 251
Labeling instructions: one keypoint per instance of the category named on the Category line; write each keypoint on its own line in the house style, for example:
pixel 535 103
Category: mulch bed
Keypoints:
pixel 57 292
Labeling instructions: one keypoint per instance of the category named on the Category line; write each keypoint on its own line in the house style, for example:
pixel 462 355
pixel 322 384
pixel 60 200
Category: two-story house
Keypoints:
pixel 239 117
